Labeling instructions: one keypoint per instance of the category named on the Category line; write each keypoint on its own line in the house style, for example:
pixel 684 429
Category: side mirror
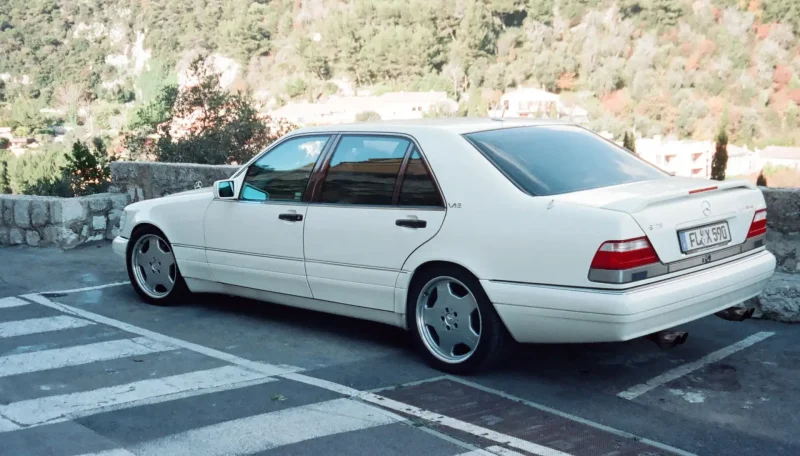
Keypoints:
pixel 224 189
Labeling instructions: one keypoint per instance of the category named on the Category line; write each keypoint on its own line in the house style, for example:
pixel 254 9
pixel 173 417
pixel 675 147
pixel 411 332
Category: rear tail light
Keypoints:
pixel 759 224
pixel 621 255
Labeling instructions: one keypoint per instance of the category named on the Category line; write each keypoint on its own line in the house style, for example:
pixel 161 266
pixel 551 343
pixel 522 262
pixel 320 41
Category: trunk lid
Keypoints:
pixel 665 207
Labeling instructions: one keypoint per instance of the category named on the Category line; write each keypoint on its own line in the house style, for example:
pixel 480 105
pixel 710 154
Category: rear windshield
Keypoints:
pixel 554 159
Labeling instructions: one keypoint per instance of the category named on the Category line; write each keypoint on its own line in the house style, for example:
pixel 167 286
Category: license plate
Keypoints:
pixel 704 237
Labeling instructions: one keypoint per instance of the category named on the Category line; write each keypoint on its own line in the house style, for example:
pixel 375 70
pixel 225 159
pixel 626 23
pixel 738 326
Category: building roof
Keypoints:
pixel 458 125
pixel 781 153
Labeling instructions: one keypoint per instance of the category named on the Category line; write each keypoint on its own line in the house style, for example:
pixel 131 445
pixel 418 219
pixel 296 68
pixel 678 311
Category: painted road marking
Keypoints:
pixel 571 417
pixel 292 373
pixel 492 450
pixel 680 371
pixel 12 302
pixel 6 425
pixel 462 426
pixel 79 290
pixel 117 452
pixel 270 430
pixel 51 409
pixel 81 354
pixel 264 368
pixel 40 325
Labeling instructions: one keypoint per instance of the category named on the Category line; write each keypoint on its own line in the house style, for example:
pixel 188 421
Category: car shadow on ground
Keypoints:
pixel 580 363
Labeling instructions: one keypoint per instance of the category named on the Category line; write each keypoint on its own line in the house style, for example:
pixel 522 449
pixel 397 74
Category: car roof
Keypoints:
pixel 457 125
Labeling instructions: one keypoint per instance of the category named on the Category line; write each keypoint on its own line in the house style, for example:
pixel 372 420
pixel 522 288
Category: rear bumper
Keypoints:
pixel 548 314
pixel 120 246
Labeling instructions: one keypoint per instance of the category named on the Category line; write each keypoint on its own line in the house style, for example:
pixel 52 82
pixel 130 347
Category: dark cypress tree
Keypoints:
pixel 720 161
pixel 761 181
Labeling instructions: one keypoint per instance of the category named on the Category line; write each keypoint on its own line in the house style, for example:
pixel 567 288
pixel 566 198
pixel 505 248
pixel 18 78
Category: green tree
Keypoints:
pixel 719 162
pixel 88 169
pixel 761 181
pixel 366 116
pixel 25 112
pixel 39 172
pixel 208 125
pixel 5 158
pixel 629 142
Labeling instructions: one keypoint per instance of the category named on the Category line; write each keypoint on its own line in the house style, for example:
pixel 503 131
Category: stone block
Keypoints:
pixel 3 235
pixel 783 209
pixel 50 234
pixel 119 201
pixel 16 236
pixel 99 203
pixel 39 212
pixel 781 299
pixel 99 223
pixel 22 213
pixel 66 238
pixel 32 238
pixel 7 206
pixel 69 211
pixel 84 232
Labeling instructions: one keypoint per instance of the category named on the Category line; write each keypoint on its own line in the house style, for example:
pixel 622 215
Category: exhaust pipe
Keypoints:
pixel 736 313
pixel 669 339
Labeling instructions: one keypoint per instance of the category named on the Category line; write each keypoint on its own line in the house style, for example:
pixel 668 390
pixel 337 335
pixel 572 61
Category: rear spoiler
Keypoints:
pixel 704 189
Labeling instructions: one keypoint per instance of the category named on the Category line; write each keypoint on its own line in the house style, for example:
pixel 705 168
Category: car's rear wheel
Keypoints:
pixel 152 268
pixel 455 325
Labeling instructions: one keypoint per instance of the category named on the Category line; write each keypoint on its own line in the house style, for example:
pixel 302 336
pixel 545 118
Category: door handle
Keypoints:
pixel 291 217
pixel 411 223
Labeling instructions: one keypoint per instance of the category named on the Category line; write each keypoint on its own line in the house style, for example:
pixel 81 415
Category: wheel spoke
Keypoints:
pixel 431 317
pixel 469 338
pixel 141 261
pixel 447 340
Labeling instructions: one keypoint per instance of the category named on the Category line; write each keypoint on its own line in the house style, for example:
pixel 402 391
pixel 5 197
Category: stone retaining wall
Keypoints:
pixel 781 300
pixel 62 222
pixel 147 180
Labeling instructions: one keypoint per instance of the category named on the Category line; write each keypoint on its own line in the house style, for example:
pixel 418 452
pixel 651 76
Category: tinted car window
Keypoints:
pixel 364 170
pixel 418 188
pixel 548 160
pixel 282 174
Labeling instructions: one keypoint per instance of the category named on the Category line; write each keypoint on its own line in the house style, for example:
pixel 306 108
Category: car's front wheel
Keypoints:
pixel 152 268
pixel 455 325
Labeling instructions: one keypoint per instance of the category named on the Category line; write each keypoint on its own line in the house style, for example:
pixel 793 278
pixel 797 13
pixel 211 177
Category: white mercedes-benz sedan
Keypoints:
pixel 469 233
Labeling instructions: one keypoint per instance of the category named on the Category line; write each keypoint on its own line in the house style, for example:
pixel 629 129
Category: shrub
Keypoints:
pixel 87 169
pixel 366 116
pixel 761 181
pixel 720 160
pixel 39 172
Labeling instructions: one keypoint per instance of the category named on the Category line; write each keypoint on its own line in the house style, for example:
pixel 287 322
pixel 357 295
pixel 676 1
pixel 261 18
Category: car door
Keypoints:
pixel 376 202
pixel 256 239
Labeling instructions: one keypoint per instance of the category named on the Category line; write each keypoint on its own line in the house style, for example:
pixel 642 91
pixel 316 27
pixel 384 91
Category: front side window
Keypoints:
pixel 363 170
pixel 418 188
pixel 555 159
pixel 282 173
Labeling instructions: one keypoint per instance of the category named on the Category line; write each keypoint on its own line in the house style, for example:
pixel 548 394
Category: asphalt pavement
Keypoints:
pixel 86 368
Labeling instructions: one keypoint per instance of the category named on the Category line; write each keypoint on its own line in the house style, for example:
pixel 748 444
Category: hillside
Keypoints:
pixel 661 66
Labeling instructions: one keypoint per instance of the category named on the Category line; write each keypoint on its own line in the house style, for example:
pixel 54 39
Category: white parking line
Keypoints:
pixel 57 408
pixel 680 371
pixel 78 290
pixel 269 430
pixel 39 325
pixel 56 358
pixel 117 452
pixel 263 368
pixel 462 426
pixel 12 302
pixel 7 426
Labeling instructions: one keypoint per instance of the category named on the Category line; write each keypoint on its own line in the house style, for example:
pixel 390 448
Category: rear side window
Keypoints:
pixel 549 160
pixel 363 170
pixel 418 188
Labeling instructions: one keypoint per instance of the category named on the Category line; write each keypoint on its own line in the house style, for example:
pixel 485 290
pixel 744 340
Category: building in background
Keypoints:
pixel 780 156
pixel 389 106
pixel 537 103
pixel 693 158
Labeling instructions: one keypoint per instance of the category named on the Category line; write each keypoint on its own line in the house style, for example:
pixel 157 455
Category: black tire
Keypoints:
pixel 179 289
pixel 494 342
